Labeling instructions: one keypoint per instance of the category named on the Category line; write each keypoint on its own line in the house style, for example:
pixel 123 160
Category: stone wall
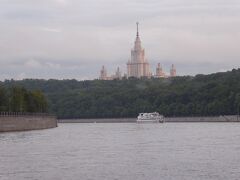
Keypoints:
pixel 26 122
pixel 233 118
pixel 107 120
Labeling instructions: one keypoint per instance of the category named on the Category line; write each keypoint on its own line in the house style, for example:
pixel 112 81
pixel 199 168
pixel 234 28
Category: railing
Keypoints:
pixel 4 114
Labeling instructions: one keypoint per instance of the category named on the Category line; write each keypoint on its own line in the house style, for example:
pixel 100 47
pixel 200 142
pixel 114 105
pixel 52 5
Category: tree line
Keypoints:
pixel 18 99
pixel 200 95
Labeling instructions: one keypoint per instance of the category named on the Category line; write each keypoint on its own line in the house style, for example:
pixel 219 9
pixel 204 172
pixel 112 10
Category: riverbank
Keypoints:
pixel 25 122
pixel 232 118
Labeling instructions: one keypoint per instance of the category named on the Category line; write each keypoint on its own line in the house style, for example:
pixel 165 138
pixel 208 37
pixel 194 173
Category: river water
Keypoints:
pixel 126 151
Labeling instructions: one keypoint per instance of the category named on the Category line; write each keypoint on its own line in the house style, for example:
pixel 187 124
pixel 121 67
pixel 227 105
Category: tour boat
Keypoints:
pixel 154 117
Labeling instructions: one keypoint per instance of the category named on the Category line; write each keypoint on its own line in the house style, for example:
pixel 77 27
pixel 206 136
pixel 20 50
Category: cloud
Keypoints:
pixel 55 30
pixel 39 64
pixel 32 63
pixel 53 65
pixel 74 38
pixel 62 2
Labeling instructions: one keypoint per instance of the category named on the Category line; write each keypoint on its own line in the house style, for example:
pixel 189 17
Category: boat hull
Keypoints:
pixel 153 117
pixel 143 121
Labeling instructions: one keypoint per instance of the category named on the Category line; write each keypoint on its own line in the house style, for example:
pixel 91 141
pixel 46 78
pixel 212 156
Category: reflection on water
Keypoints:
pixel 170 151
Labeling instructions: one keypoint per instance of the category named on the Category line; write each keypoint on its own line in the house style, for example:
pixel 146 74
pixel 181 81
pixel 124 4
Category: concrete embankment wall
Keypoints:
pixel 109 120
pixel 24 123
pixel 233 118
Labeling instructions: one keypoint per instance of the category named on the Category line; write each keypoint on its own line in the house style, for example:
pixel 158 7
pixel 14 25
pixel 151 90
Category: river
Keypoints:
pixel 123 151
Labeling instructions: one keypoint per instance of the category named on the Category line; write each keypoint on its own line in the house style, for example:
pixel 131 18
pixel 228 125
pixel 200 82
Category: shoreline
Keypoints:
pixel 229 118
pixel 13 123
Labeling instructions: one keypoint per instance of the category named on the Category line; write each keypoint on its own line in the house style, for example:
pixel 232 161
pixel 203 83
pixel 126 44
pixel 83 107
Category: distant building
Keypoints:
pixel 103 74
pixel 173 71
pixel 159 71
pixel 138 66
pixel 118 74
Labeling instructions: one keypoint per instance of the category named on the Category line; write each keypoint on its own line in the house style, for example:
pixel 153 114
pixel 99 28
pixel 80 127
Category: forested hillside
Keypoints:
pixel 18 99
pixel 202 95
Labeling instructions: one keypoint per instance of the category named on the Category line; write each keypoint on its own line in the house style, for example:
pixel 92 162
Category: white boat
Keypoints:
pixel 154 117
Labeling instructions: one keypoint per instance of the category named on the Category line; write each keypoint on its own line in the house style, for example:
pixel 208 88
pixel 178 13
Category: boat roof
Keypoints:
pixel 150 113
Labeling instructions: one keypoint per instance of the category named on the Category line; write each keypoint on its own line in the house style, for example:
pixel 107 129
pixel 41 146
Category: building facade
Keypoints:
pixel 159 71
pixel 103 74
pixel 138 65
pixel 173 71
pixel 118 74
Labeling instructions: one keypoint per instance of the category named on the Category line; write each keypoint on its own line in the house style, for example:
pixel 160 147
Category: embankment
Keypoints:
pixel 26 122
pixel 233 118
pixel 107 120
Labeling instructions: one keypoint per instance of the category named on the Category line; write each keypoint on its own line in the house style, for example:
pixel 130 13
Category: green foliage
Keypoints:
pixel 202 95
pixel 18 99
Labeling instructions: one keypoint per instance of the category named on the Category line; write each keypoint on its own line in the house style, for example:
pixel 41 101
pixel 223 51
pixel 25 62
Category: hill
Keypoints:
pixel 201 95
pixel 18 99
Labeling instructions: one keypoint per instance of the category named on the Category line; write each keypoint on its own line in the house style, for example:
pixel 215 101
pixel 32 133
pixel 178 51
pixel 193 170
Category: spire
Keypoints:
pixel 137 29
pixel 137 41
pixel 173 71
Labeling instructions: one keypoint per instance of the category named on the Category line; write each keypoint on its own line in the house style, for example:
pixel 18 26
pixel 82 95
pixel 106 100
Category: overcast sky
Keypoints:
pixel 68 39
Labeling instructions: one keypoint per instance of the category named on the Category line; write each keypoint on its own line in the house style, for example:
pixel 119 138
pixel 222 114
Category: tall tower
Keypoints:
pixel 118 74
pixel 103 74
pixel 173 71
pixel 138 66
pixel 159 71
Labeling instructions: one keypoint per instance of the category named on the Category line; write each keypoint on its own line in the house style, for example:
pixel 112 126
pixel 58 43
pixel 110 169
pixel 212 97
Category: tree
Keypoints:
pixel 237 103
pixel 18 99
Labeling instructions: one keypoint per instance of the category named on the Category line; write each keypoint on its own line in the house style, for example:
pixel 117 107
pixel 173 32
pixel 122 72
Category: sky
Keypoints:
pixel 72 39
